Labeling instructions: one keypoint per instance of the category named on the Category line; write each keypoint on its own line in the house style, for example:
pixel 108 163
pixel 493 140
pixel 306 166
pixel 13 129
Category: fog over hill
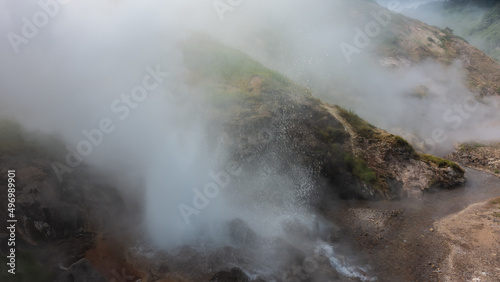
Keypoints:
pixel 476 21
pixel 216 118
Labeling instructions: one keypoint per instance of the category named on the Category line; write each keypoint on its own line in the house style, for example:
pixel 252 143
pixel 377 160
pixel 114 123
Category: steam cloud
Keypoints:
pixel 66 77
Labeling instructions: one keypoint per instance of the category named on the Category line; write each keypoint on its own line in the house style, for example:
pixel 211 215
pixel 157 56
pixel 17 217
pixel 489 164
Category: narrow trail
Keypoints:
pixel 352 134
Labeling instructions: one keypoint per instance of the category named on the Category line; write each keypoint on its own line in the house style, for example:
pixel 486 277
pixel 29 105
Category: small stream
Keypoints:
pixel 480 186
pixel 407 247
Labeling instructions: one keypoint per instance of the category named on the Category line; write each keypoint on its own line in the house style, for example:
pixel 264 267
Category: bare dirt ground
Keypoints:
pixel 473 237
pixel 444 236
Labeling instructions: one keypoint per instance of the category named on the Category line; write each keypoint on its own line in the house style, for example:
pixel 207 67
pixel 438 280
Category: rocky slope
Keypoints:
pixel 70 229
pixel 56 221
pixel 477 21
pixel 407 41
pixel 271 112
pixel 263 111
pixel 478 156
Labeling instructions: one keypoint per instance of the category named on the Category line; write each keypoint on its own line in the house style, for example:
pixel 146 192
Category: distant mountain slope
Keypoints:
pixel 265 115
pixel 414 41
pixel 477 21
pixel 404 40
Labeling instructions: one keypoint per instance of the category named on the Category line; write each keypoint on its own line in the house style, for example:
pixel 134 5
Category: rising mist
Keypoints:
pixel 83 65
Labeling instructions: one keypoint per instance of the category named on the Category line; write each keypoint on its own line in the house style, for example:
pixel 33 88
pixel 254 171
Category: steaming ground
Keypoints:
pixel 254 211
pixel 66 78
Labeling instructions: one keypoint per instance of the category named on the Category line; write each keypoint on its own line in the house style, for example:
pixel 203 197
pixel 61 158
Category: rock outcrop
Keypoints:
pixel 279 117
pixel 478 156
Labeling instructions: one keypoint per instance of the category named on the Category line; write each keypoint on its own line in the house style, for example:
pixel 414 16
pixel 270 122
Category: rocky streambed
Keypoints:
pixel 428 239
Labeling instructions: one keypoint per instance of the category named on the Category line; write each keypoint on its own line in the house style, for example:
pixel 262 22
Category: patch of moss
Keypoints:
pixel 439 162
pixel 359 168
pixel 470 146
pixel 401 142
pixel 362 128
pixel 330 135
pixel 229 71
pixel 391 46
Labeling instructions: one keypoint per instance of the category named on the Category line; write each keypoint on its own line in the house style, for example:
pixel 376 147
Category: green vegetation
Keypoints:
pixel 15 142
pixel 482 28
pixel 232 76
pixel 390 45
pixel 497 171
pixel 359 168
pixel 439 162
pixel 10 139
pixel 461 3
pixel 331 135
pixel 495 202
pixel 401 142
pixel 362 128
pixel 470 146
pixel 488 29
